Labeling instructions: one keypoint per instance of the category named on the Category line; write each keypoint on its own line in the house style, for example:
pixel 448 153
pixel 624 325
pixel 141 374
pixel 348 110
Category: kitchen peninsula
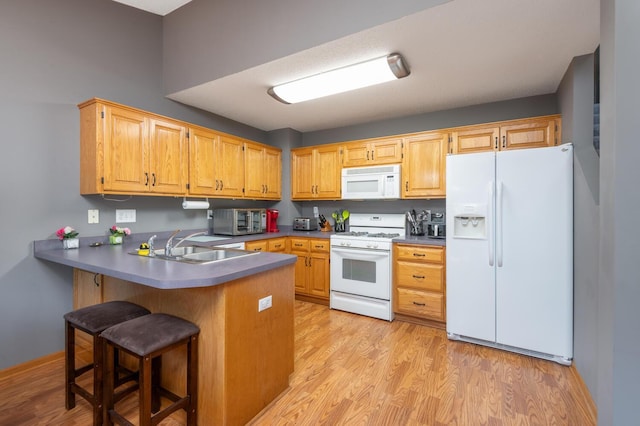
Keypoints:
pixel 245 356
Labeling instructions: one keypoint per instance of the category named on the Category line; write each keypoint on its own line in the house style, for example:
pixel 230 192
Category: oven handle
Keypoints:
pixel 361 253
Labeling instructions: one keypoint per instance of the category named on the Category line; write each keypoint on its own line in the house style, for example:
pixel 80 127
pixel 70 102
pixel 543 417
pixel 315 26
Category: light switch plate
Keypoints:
pixel 93 216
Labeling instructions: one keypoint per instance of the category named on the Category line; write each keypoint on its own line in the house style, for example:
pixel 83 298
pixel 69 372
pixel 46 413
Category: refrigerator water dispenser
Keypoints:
pixel 470 221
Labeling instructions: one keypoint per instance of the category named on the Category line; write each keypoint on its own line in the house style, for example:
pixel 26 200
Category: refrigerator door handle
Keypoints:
pixel 499 224
pixel 490 235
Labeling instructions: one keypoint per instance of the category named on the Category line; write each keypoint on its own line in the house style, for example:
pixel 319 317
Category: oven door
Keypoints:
pixel 361 272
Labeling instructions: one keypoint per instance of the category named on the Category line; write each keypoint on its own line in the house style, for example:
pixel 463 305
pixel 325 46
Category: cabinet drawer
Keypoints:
pixel 421 303
pixel 260 245
pixel 277 244
pixel 423 276
pixel 420 254
pixel 321 246
pixel 299 244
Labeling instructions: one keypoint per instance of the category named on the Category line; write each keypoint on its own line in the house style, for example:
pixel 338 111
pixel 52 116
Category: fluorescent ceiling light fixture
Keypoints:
pixel 364 74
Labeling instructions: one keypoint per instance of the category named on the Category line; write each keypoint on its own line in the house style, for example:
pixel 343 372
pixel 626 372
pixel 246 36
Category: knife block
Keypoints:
pixel 326 227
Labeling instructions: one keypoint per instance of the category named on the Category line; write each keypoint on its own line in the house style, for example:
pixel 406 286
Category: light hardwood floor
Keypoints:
pixel 354 370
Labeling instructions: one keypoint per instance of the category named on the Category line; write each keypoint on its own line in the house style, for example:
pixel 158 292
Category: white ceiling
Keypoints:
pixel 461 53
pixel 159 7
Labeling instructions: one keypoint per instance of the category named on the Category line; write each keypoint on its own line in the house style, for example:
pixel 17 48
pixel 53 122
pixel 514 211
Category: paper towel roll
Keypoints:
pixel 193 205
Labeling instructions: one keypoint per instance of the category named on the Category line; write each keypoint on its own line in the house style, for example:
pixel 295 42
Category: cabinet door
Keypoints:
pixel 386 151
pixel 355 154
pixel 302 186
pixel 301 272
pixel 528 134
pixel 168 157
pixel 254 177
pixel 202 153
pixel 230 166
pixel 87 289
pixel 327 173
pixel 318 266
pixel 126 148
pixel 465 141
pixel 423 166
pixel 273 173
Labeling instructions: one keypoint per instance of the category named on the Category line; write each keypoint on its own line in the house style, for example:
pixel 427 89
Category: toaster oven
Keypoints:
pixel 237 221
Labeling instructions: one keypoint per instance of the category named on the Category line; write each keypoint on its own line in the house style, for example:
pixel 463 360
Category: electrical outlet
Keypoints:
pixel 209 214
pixel 93 216
pixel 125 215
pixel 264 303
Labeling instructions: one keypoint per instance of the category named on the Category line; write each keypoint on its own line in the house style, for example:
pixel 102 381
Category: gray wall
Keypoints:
pixel 54 56
pixel 618 373
pixel 575 97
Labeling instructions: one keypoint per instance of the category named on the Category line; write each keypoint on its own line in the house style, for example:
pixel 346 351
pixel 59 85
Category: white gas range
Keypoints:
pixel 361 267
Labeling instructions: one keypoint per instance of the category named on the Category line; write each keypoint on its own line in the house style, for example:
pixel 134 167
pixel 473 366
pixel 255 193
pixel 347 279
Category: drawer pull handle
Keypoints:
pixel 421 277
pixel 419 254
pixel 298 245
pixel 419 304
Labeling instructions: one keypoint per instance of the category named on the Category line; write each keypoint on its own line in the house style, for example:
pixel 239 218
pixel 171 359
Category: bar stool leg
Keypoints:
pixel 145 391
pixel 192 381
pixel 70 366
pixel 109 383
pixel 156 368
pixel 98 365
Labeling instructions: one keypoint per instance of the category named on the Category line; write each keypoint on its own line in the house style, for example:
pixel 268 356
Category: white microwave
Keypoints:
pixel 371 183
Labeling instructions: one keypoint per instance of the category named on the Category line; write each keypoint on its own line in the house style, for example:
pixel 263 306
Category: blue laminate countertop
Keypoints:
pixel 115 261
pixel 421 240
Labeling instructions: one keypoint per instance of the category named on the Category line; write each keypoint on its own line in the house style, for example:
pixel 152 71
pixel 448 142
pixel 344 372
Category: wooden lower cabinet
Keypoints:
pixel 312 268
pixel 419 284
pixel 274 245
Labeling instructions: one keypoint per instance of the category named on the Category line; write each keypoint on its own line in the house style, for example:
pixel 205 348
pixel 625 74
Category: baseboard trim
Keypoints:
pixel 29 365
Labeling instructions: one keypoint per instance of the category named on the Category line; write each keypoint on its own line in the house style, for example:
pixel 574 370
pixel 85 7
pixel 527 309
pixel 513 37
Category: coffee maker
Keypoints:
pixel 272 220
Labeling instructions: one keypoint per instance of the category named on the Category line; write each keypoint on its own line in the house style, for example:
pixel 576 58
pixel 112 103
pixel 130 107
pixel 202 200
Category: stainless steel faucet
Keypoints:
pixel 170 246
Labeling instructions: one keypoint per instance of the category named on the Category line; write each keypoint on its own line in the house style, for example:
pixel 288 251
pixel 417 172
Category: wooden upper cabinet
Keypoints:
pixel 423 165
pixel 229 166
pixel 169 157
pixel 315 173
pixel 536 132
pixel 126 151
pixel 216 164
pixel 263 171
pixel 203 145
pixel 372 152
pixel 466 141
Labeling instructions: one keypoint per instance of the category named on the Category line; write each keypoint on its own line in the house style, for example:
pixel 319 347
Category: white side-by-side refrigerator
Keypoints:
pixel 510 250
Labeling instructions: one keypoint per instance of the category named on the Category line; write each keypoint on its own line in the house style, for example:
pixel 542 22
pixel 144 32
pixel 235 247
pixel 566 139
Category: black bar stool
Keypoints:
pixel 147 338
pixel 93 320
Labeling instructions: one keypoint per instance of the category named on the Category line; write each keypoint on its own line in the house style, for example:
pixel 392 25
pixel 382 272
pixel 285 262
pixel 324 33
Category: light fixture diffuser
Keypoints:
pixel 363 74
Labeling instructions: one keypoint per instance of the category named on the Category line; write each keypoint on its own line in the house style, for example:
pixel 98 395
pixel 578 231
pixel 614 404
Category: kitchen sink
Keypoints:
pixel 200 254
